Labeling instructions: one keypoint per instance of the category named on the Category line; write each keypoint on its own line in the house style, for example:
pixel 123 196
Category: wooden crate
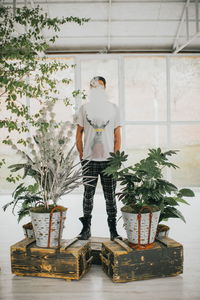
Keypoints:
pixel 122 263
pixel 71 261
pixel 96 245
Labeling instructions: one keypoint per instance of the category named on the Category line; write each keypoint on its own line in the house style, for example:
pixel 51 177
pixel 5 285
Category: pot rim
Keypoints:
pixel 34 210
pixel 142 213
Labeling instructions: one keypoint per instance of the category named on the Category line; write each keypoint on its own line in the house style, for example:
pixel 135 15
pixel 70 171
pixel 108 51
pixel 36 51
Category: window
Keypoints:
pixel 159 99
pixel 145 88
pixel 107 68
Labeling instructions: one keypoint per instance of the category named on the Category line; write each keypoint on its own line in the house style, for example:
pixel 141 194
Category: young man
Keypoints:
pixel 99 121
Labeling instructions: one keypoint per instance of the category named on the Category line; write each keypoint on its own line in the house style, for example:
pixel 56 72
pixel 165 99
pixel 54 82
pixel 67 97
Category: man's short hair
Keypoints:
pixel 96 78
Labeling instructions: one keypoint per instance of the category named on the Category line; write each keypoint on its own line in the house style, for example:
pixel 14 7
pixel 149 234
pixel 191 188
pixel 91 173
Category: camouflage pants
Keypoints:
pixel 95 168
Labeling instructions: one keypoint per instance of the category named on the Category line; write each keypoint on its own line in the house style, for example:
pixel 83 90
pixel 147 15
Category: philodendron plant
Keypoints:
pixel 143 185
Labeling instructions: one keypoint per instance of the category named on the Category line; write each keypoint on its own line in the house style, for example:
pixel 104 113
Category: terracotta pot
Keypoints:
pixel 141 228
pixel 48 227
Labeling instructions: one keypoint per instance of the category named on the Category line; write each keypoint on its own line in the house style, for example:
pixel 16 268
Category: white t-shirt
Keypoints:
pixel 99 118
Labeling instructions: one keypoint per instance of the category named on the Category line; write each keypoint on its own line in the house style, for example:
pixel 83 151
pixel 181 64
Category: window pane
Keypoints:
pixel 63 112
pixel 105 68
pixel 145 88
pixel 139 138
pixel 185 88
pixel 6 152
pixel 186 139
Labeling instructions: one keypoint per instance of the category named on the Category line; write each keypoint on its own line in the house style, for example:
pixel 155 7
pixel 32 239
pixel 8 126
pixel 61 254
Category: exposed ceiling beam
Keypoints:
pixel 197 34
pixel 109 23
pixel 158 37
pixel 104 41
pixel 14 7
pixel 184 18
pixel 180 24
pixel 102 1
pixel 197 14
pixel 187 24
pixel 118 50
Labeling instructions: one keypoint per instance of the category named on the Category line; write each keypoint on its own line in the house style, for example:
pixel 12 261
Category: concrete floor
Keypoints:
pixel 96 285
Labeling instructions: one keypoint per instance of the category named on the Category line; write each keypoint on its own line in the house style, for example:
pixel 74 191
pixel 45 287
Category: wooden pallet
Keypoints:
pixel 122 263
pixel 71 261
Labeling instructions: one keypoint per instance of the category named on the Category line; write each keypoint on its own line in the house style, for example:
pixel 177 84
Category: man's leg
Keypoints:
pixel 109 187
pixel 89 169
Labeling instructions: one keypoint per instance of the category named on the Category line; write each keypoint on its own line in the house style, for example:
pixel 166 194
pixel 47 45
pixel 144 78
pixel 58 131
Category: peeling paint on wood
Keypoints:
pixel 164 259
pixel 96 245
pixel 70 261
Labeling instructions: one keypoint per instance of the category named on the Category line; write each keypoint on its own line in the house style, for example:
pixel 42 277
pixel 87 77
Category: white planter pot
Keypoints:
pixel 41 222
pixel 148 226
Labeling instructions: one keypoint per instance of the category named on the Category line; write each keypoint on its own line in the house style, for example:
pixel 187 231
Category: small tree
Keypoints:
pixel 24 68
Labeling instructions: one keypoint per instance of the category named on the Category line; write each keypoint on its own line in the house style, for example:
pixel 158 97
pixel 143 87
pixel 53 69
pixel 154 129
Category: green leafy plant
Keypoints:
pixel 143 185
pixel 25 70
pixel 170 204
pixel 22 54
pixel 24 198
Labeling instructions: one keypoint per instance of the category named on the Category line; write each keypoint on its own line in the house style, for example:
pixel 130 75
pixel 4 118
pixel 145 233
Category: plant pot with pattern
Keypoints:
pixel 144 193
pixel 50 161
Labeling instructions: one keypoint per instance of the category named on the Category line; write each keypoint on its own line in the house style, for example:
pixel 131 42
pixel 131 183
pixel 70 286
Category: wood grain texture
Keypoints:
pixel 96 245
pixel 71 261
pixel 95 284
pixel 164 259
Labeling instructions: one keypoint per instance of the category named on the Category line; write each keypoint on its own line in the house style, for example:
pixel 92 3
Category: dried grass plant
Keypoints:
pixel 51 159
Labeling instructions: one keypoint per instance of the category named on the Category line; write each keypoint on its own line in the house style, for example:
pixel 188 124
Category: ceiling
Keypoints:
pixel 125 26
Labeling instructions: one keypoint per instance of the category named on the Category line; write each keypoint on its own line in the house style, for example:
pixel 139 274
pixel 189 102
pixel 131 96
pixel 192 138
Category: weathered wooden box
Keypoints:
pixel 123 264
pixel 96 245
pixel 71 261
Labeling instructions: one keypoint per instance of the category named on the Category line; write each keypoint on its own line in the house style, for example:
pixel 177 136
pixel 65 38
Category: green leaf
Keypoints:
pixel 13 96
pixel 171 201
pixel 182 200
pixel 172 212
pixel 186 193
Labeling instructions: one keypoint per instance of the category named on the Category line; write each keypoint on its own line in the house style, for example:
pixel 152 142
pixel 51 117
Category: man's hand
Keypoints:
pixel 117 139
pixel 79 142
pixel 81 155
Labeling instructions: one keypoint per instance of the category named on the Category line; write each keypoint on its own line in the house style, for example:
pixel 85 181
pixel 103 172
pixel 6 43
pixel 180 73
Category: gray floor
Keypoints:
pixel 95 284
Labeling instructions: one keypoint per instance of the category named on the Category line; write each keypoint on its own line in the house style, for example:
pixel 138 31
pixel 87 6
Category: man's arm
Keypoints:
pixel 79 141
pixel 117 138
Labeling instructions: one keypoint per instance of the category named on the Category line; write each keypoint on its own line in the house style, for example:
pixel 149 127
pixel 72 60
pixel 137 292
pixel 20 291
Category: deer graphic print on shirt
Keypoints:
pixel 97 145
pixel 99 118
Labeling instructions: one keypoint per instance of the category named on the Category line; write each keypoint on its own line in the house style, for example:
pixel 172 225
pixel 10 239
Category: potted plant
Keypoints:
pixel 24 198
pixel 145 194
pixel 51 163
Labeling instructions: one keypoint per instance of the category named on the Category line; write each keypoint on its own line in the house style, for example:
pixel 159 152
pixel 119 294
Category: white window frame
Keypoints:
pixel 120 58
